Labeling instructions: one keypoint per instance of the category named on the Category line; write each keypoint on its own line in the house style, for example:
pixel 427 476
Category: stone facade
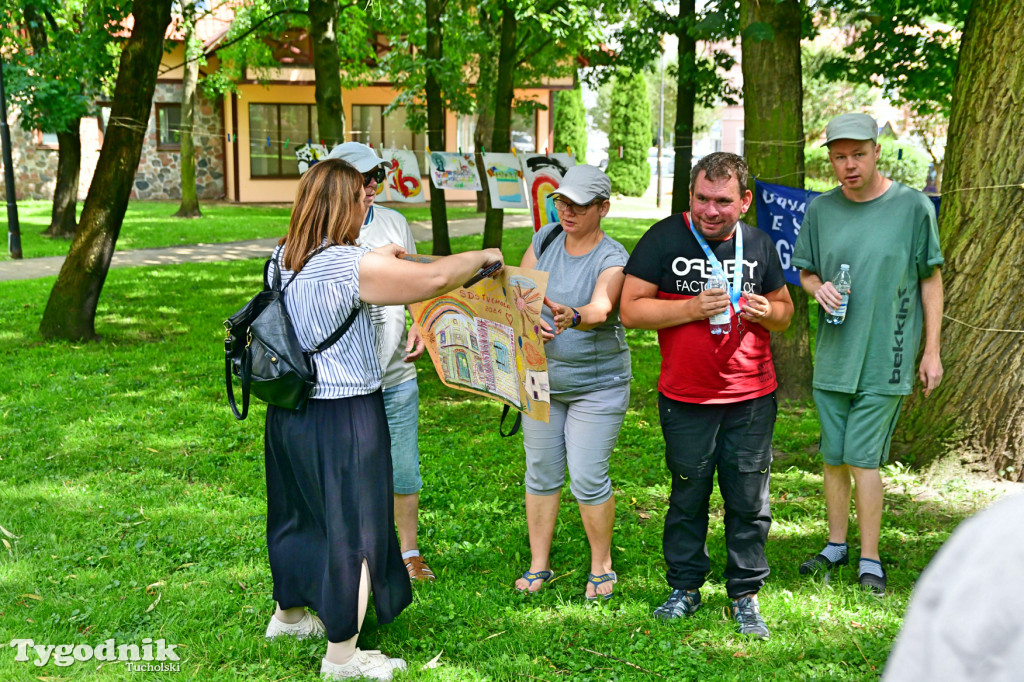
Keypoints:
pixel 159 174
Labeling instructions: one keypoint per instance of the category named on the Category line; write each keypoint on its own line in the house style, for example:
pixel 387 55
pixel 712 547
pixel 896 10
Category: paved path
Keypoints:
pixel 31 268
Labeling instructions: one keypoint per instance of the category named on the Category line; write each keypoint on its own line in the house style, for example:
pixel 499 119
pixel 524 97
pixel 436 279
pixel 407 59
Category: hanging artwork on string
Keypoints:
pixel 309 154
pixel 543 173
pixel 504 181
pixel 403 181
pixel 486 339
pixel 450 170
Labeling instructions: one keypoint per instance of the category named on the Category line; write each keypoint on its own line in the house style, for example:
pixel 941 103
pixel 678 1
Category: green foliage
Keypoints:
pixel 571 123
pixel 56 83
pixel 137 509
pixel 911 48
pixel 630 129
pixel 245 45
pixel 900 160
pixel 824 98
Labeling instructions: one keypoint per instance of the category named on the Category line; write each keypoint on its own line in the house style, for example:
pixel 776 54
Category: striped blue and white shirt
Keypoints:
pixel 318 301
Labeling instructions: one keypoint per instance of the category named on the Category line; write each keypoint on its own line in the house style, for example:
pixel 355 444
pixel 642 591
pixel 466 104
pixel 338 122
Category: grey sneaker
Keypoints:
pixel 369 664
pixel 747 613
pixel 309 626
pixel 679 603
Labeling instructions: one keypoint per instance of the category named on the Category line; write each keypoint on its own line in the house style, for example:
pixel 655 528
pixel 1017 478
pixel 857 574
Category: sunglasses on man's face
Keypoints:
pixel 378 174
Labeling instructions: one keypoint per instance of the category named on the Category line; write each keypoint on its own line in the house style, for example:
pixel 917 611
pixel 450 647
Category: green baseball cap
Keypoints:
pixel 851 127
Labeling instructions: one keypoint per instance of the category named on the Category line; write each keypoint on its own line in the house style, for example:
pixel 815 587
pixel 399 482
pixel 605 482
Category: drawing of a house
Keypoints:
pixel 497 346
pixel 459 351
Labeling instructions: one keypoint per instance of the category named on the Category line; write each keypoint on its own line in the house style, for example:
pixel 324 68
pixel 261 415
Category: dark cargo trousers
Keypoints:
pixel 734 439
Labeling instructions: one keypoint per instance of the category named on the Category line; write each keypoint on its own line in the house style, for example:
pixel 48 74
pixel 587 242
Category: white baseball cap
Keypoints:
pixel 364 158
pixel 584 183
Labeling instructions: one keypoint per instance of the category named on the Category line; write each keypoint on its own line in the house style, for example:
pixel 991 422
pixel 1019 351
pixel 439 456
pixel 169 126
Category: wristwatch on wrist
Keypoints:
pixel 576 317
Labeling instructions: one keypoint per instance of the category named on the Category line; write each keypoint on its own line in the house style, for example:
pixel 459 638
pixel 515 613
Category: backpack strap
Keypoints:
pixel 552 235
pixel 338 333
pixel 515 425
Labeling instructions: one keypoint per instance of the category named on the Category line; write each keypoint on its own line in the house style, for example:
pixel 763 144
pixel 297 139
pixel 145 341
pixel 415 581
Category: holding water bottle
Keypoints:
pixel 722 322
pixel 842 284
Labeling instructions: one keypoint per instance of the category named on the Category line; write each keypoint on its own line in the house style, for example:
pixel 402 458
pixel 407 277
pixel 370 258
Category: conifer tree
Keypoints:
pixel 629 136
pixel 571 123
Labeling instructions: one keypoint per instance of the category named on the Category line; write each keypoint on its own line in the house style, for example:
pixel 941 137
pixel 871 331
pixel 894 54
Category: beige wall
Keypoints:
pixel 292 87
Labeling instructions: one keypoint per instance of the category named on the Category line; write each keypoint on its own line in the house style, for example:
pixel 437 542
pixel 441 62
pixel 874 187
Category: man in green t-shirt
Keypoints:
pixel 887 235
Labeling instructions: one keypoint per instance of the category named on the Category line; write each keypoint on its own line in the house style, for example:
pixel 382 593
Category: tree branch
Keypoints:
pixel 239 38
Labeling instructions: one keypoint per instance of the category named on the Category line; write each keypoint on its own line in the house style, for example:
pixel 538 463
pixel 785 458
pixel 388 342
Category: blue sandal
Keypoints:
pixel 531 577
pixel 596 580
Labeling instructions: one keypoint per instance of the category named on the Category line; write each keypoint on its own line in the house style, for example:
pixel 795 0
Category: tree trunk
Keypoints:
pixel 978 410
pixel 65 192
pixel 434 53
pixel 686 95
pixel 330 115
pixel 503 95
pixel 71 309
pixel 69 145
pixel 773 110
pixel 484 123
pixel 189 200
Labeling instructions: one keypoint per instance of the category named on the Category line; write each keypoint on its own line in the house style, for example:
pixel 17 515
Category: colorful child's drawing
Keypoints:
pixel 505 181
pixel 309 154
pixel 486 339
pixel 454 171
pixel 543 175
pixel 403 176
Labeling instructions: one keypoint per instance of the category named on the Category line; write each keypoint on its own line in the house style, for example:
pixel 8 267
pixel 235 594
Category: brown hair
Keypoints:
pixel 328 204
pixel 721 166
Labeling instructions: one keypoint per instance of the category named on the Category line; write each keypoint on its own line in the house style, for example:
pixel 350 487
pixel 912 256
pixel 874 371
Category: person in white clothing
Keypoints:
pixel 397 349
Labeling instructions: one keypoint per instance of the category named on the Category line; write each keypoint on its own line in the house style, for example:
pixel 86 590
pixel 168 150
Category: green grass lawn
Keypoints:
pixel 132 506
pixel 148 224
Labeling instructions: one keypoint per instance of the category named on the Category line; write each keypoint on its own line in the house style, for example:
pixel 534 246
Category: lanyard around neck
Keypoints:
pixel 737 270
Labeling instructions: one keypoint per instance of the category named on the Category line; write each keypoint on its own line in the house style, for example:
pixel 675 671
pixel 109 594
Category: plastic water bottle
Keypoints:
pixel 842 284
pixel 722 322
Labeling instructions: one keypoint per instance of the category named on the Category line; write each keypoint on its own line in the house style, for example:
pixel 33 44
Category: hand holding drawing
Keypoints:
pixel 492 268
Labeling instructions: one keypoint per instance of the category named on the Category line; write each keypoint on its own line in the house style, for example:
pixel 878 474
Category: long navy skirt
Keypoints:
pixel 329 506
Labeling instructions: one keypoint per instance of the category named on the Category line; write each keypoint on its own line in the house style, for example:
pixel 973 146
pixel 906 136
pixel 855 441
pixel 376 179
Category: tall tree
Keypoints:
pixel 686 96
pixel 774 148
pixel 434 56
pixel 71 309
pixel 977 410
pixel 56 79
pixel 189 207
pixel 629 137
pixel 330 116
pixel 571 123
pixel 501 140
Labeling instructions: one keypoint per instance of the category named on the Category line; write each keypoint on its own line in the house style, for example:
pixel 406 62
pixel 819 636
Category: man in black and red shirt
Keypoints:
pixel 716 391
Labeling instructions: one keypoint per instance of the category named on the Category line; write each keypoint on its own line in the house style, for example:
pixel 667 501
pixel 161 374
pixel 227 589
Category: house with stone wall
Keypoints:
pixel 245 140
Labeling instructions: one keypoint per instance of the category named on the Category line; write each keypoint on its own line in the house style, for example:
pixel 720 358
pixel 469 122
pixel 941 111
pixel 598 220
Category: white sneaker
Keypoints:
pixel 309 626
pixel 370 663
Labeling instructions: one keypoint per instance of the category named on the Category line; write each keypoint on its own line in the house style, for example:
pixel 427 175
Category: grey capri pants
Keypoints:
pixel 582 431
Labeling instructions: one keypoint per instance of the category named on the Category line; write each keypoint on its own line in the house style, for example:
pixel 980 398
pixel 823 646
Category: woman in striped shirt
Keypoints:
pixel 330 521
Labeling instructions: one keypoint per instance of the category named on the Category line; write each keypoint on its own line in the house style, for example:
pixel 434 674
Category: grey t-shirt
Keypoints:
pixel 578 360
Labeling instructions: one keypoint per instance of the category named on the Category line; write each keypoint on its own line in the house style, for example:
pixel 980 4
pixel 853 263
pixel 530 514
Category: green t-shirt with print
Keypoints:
pixel 890 244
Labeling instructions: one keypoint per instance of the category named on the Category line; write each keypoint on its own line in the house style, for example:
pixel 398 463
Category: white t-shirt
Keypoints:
pixel 386 226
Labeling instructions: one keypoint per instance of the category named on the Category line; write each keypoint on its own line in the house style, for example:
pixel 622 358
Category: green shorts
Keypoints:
pixel 856 428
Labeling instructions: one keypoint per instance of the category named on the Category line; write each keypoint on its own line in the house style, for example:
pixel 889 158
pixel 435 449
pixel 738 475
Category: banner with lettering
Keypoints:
pixel 780 213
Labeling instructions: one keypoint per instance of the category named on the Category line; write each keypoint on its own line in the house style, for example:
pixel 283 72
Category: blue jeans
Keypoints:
pixel 402 404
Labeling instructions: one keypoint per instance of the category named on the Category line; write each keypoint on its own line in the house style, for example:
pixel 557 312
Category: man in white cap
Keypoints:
pixel 397 350
pixel 886 233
